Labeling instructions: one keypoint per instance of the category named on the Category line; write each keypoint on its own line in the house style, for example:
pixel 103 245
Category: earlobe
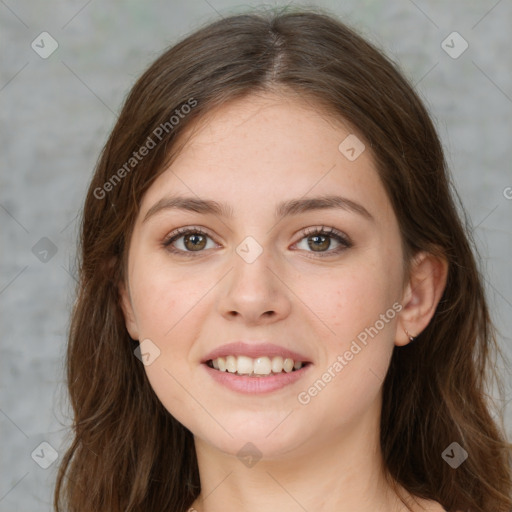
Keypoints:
pixel 129 316
pixel 427 281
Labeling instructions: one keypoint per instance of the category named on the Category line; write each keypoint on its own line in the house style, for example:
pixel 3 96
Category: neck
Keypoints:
pixel 342 472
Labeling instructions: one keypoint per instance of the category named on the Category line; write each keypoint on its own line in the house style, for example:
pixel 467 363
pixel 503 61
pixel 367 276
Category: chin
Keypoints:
pixel 256 441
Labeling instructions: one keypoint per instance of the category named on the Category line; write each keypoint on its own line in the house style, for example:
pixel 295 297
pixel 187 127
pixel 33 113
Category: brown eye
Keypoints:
pixel 194 242
pixel 320 241
pixel 185 241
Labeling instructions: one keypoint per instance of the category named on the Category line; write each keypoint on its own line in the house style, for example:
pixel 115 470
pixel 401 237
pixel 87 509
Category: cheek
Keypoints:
pixel 170 308
pixel 352 297
pixel 350 376
pixel 359 305
pixel 164 298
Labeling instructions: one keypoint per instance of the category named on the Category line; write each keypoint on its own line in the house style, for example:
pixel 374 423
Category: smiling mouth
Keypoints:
pixel 244 366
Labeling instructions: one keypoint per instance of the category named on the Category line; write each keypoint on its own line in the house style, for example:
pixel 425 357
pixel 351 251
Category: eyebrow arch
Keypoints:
pixel 284 209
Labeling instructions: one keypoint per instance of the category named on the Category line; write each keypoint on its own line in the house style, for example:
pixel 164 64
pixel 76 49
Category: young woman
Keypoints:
pixel 279 307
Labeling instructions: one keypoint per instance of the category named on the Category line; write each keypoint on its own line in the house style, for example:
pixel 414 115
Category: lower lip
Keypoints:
pixel 256 385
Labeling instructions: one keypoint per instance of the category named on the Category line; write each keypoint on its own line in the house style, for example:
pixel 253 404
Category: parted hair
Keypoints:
pixel 127 453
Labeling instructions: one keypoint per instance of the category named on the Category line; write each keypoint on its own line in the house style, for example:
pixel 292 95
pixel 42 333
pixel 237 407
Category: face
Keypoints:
pixel 325 282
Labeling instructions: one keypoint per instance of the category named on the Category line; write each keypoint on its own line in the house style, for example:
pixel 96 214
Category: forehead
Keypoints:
pixel 269 125
pixel 264 148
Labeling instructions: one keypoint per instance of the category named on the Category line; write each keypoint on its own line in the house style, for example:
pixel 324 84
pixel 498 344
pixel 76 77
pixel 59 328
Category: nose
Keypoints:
pixel 254 293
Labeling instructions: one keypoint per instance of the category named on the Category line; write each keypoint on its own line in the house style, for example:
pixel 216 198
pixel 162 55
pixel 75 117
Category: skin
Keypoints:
pixel 253 153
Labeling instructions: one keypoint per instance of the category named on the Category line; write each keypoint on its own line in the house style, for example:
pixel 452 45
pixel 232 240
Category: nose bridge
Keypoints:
pixel 252 268
pixel 253 289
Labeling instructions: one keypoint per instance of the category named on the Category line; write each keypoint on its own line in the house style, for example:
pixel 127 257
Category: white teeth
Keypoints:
pixel 243 365
pixel 260 366
pixel 231 364
pixel 277 364
pixel 288 365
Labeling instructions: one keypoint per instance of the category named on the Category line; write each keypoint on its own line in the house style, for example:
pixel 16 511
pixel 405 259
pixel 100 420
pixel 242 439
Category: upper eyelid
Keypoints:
pixel 305 232
pixel 179 232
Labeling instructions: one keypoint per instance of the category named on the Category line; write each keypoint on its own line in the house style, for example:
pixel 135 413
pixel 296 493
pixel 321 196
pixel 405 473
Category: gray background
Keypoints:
pixel 57 112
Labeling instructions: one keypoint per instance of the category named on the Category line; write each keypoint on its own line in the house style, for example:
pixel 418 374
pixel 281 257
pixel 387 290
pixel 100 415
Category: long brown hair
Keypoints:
pixel 128 453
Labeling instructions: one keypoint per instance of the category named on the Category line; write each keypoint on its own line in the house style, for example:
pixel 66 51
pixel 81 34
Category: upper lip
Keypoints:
pixel 254 350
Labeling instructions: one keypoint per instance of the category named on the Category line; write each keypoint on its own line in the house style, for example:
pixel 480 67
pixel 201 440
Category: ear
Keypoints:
pixel 129 316
pixel 422 293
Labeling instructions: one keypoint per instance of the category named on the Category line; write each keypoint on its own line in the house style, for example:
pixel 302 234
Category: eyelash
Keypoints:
pixel 341 238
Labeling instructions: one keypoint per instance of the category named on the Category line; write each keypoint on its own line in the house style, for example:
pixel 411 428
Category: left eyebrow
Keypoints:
pixel 298 206
pixel 284 209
